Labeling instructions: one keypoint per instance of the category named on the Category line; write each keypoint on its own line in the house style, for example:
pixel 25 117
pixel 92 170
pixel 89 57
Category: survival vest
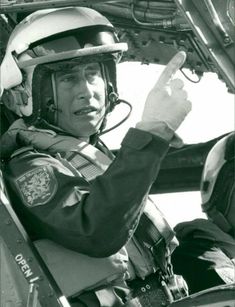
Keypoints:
pixel 148 250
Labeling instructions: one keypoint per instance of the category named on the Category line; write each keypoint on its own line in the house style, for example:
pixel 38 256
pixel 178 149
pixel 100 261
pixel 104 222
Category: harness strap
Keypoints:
pixel 88 160
pixel 91 162
pixel 153 229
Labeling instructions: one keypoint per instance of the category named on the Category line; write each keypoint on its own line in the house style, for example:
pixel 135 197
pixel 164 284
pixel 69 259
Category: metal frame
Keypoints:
pixel 9 6
pixel 216 42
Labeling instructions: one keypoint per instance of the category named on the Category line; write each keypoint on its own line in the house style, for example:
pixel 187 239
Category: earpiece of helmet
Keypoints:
pixel 112 98
pixel 15 99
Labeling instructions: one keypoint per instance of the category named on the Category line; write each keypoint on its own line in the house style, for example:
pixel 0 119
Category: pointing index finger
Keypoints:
pixel 171 68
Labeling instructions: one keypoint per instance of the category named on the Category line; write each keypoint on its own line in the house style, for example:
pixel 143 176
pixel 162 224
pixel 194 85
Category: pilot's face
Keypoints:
pixel 81 99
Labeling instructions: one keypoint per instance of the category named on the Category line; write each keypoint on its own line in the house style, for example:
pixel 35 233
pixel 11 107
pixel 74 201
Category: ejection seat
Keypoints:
pixel 24 278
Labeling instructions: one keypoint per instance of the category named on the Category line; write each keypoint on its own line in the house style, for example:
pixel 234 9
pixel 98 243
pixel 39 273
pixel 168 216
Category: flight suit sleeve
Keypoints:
pixel 104 215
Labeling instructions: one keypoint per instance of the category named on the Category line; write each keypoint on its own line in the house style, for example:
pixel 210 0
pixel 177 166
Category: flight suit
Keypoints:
pixel 95 218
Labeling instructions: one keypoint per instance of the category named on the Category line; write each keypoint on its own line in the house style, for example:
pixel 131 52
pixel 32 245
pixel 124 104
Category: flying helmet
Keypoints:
pixel 47 40
pixel 218 184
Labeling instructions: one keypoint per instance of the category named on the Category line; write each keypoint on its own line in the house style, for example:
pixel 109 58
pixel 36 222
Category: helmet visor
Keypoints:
pixel 73 40
pixel 73 44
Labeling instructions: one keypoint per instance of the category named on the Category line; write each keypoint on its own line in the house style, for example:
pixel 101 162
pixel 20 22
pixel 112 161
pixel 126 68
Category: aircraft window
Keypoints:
pixel 178 207
pixel 213 107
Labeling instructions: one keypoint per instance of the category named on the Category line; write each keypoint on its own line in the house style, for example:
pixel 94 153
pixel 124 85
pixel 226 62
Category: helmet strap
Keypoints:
pixel 54 105
pixel 109 73
pixel 43 98
pixel 230 199
pixel 219 219
pixel 112 98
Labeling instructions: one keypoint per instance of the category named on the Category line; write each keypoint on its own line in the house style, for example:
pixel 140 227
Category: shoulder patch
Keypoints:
pixel 37 186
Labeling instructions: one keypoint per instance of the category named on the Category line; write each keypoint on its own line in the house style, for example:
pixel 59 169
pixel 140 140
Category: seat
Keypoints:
pixel 24 277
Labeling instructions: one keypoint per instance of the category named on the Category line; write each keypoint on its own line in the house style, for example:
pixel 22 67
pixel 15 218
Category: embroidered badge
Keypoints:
pixel 37 186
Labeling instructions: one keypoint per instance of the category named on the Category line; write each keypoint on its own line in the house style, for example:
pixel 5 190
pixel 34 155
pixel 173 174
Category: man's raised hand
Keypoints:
pixel 167 101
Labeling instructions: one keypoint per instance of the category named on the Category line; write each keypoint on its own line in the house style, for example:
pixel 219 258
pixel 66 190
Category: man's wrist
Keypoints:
pixel 162 130
pixel 158 128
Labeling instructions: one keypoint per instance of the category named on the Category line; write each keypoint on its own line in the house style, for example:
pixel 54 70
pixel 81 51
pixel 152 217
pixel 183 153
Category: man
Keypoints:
pixel 81 205
pixel 206 254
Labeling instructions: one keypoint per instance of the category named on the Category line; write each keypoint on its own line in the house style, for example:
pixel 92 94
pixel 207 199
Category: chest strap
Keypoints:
pixel 153 235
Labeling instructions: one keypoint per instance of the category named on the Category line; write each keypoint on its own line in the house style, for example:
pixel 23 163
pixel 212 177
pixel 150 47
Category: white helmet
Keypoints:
pixel 49 36
pixel 218 184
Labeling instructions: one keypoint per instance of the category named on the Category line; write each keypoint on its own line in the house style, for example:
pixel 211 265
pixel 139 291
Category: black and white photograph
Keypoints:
pixel 117 150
